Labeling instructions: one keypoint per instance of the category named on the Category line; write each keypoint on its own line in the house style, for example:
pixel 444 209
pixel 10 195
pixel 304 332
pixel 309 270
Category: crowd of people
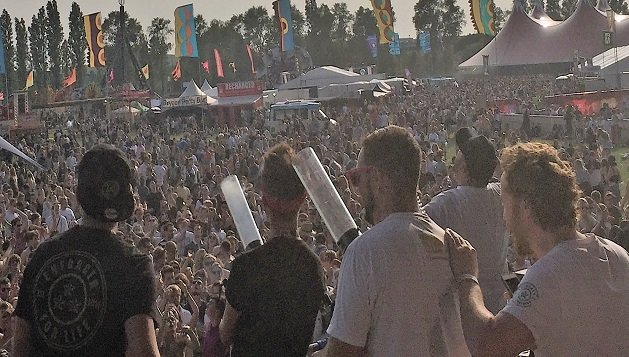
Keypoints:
pixel 180 220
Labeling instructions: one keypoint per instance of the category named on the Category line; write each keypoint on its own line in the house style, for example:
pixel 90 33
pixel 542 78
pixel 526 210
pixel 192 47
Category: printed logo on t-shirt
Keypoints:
pixel 526 294
pixel 69 300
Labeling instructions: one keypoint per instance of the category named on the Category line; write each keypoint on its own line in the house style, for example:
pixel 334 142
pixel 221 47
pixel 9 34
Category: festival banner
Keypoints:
pixel 286 22
pixel 372 42
pixel 176 73
pixel 184 102
pixel 206 66
pixel 94 36
pixel 3 69
pixel 145 72
pixel 71 79
pixel 219 64
pixel 110 76
pixel 253 69
pixel 424 42
pixel 383 12
pixel 185 32
pixel 482 14
pixel 236 89
pixel 394 46
pixel 29 80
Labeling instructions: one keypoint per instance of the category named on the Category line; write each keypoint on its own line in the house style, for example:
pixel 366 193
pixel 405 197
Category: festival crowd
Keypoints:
pixel 182 222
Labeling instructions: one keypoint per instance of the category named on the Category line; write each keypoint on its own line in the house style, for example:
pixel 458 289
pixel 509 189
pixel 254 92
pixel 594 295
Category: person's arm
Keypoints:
pixel 20 346
pixel 140 335
pixel 228 324
pixel 194 307
pixel 485 334
pixel 338 348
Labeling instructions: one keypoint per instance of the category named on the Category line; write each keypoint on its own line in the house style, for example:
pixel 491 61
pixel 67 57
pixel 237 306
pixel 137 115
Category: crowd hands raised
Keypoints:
pixel 181 219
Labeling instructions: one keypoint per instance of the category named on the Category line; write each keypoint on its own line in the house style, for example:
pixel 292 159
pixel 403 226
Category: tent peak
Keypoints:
pixel 603 5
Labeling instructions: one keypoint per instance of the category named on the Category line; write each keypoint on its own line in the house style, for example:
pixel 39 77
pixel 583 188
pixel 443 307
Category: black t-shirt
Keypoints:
pixel 278 289
pixel 79 289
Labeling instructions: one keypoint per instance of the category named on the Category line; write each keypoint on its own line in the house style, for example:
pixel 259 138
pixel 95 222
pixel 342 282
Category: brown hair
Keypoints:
pixel 278 177
pixel 535 173
pixel 394 151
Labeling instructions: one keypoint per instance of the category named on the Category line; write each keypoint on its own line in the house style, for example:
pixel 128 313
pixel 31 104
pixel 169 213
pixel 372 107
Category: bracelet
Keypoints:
pixel 463 277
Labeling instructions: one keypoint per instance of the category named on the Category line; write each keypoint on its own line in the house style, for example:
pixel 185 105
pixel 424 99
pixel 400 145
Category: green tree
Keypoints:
pixel 159 46
pixel 21 52
pixel 255 26
pixel 66 59
pixel 38 45
pixel 364 25
pixel 201 25
pixel 567 8
pixel 6 25
pixel 553 9
pixel 619 6
pixel 499 18
pixel 299 25
pixel 114 46
pixel 77 42
pixel 54 34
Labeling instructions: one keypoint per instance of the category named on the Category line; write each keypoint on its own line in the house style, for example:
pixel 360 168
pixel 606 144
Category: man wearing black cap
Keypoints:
pixel 474 210
pixel 85 293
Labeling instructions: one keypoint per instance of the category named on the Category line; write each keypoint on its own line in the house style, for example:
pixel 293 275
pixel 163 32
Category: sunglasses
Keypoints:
pixel 354 175
pixel 197 282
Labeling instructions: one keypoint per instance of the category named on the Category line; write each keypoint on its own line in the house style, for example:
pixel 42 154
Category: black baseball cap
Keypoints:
pixel 105 182
pixel 479 155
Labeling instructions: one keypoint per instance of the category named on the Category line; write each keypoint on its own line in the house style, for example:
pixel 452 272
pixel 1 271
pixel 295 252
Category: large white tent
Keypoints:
pixel 324 76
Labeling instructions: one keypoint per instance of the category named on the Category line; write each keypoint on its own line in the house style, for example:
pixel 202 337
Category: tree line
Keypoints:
pixel 333 35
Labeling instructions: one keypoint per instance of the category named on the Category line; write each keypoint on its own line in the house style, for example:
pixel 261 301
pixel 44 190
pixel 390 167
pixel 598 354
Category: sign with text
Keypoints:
pixel 184 102
pixel 236 89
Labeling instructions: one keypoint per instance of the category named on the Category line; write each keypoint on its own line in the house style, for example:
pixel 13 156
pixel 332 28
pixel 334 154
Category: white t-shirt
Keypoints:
pixel 395 294
pixel 476 214
pixel 575 299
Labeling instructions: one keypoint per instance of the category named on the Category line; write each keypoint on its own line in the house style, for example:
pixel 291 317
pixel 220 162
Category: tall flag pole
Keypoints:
pixel 185 32
pixel 94 36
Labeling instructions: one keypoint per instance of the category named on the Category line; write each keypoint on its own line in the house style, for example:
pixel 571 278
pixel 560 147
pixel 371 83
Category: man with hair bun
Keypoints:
pixel 574 301
pixel 84 292
pixel 274 291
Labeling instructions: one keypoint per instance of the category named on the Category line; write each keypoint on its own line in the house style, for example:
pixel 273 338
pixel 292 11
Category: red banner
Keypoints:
pixel 236 89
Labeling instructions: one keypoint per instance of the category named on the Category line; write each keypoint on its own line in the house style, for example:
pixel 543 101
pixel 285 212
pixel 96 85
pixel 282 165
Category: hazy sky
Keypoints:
pixel 145 10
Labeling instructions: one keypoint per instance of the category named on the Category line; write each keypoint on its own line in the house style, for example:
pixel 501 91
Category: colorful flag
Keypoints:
pixel 145 71
pixel 253 69
pixel 219 64
pixel 372 42
pixel 176 73
pixel 424 42
pixel 3 69
pixel 285 22
pixel 394 46
pixel 71 79
pixel 1 96
pixel 206 66
pixel 29 80
pixel 94 36
pixel 185 32
pixel 383 12
pixel 482 13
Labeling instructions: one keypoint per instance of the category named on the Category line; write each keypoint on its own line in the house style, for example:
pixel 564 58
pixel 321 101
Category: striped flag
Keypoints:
pixel 253 69
pixel 206 66
pixel 176 73
pixel 71 79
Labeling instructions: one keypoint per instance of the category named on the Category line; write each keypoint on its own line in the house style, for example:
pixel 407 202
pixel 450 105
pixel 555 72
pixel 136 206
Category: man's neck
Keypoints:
pixel 91 222
pixel 283 225
pixel 395 205
pixel 542 242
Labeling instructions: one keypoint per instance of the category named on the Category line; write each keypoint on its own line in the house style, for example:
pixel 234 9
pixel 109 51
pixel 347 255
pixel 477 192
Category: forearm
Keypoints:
pixel 475 317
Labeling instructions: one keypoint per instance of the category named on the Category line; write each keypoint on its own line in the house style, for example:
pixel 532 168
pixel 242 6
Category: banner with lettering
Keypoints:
pixel 236 89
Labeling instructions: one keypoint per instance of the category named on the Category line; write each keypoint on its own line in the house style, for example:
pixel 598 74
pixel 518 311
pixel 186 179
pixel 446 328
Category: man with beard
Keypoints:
pixel 474 210
pixel 394 295
pixel 570 302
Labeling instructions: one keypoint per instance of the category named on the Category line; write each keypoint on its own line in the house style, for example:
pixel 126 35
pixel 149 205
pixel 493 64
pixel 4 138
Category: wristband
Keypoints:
pixel 463 277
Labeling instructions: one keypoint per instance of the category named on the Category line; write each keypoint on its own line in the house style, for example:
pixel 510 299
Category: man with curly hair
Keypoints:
pixel 569 302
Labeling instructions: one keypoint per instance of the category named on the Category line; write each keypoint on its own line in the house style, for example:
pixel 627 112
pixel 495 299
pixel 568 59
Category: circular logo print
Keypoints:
pixel 526 294
pixel 110 190
pixel 69 300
